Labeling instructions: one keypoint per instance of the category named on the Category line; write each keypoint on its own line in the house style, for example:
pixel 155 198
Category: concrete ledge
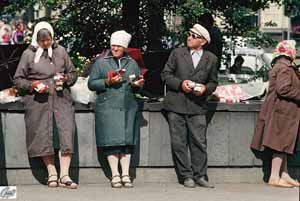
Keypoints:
pixel 144 175
pixel 253 106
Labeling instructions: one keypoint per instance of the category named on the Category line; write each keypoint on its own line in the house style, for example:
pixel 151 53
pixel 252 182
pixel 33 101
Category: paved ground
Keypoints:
pixel 159 192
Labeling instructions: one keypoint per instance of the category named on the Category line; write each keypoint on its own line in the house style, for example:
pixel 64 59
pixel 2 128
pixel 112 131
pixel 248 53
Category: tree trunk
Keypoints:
pixel 155 25
pixel 131 20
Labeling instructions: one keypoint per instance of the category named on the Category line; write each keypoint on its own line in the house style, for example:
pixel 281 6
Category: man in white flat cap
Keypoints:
pixel 191 76
pixel 113 78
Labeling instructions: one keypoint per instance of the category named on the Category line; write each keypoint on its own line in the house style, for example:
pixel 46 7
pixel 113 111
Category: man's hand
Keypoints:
pixel 185 86
pixel 199 90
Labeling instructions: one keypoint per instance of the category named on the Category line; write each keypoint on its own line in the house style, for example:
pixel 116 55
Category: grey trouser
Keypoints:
pixel 188 132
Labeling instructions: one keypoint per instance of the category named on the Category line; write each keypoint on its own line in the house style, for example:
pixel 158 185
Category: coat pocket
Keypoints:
pixel 103 97
pixel 112 99
pixel 258 139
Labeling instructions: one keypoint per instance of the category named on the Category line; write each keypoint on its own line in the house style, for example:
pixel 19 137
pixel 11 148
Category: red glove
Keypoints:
pixel 39 86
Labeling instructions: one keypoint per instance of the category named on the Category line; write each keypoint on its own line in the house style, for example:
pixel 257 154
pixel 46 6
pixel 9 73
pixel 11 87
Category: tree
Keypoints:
pixel 130 20
pixel 235 16
pixel 11 7
pixel 85 26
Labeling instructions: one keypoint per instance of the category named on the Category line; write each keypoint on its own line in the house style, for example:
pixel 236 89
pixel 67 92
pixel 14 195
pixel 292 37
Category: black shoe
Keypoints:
pixel 203 183
pixel 189 183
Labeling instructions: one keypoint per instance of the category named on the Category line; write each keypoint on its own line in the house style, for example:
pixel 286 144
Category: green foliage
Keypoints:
pixel 257 38
pixel 79 62
pixel 190 12
pixel 235 17
pixel 10 7
pixel 85 26
pixel 291 7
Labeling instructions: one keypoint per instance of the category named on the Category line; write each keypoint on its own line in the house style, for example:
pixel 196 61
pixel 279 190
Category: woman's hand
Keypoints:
pixel 39 87
pixel 139 82
pixel 59 80
pixel 114 80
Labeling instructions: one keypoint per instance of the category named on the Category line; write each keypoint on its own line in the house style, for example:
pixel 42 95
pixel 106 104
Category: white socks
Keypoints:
pixel 125 162
pixel 113 161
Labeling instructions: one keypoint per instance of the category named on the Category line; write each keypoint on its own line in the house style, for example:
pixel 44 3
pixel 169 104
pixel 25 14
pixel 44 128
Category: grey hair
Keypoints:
pixel 43 34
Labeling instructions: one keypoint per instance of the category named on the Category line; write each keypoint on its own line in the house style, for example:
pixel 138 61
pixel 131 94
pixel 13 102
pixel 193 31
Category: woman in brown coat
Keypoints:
pixel 277 128
pixel 45 74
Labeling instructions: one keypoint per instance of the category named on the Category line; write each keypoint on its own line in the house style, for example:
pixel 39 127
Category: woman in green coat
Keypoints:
pixel 115 77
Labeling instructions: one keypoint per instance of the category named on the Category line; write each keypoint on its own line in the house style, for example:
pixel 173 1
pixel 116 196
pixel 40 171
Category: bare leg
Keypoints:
pixel 113 161
pixel 65 160
pixel 125 163
pixel 275 179
pixel 285 175
pixel 52 173
pixel 275 169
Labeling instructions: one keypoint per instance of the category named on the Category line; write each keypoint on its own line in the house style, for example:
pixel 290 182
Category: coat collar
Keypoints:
pixel 284 62
pixel 109 55
pixel 123 60
pixel 188 58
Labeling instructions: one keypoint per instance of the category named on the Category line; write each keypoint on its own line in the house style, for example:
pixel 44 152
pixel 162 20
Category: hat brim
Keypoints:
pixel 118 45
pixel 196 32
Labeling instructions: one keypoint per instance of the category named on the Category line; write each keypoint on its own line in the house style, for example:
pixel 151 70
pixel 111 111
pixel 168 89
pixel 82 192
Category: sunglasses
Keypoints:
pixel 194 36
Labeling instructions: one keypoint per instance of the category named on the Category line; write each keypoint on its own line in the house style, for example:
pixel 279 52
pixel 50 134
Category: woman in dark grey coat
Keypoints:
pixel 116 107
pixel 45 74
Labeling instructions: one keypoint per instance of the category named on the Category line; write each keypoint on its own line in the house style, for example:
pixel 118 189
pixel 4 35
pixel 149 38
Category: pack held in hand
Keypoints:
pixel 39 86
pixel 194 86
pixel 58 82
pixel 136 80
pixel 112 74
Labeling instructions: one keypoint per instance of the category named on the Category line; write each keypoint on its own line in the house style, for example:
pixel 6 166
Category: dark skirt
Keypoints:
pixel 55 135
pixel 297 145
pixel 115 150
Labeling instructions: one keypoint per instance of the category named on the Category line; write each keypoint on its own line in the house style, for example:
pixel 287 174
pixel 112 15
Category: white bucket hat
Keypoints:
pixel 201 31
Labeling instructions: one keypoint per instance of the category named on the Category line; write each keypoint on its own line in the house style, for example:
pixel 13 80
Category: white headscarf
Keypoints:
pixel 34 43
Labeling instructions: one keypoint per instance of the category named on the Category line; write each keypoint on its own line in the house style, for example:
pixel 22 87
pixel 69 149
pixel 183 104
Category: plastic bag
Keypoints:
pixel 8 96
pixel 81 93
